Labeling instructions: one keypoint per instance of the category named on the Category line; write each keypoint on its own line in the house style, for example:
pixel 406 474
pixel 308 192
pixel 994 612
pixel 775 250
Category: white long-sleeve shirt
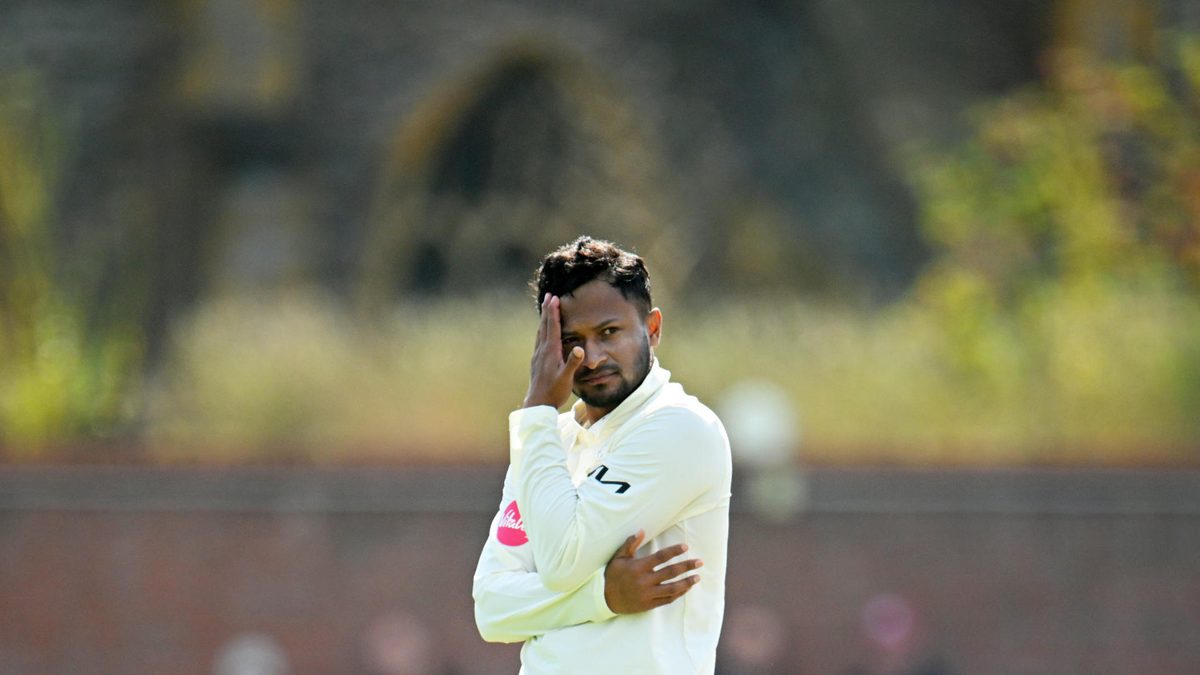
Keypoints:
pixel 659 462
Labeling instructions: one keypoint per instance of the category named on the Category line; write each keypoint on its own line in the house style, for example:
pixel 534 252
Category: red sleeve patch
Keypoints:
pixel 511 530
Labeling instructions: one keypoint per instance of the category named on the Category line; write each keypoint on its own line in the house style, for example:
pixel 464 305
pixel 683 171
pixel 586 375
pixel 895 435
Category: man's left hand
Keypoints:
pixel 633 585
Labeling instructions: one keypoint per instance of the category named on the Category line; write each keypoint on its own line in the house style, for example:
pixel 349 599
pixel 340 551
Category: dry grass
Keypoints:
pixel 298 377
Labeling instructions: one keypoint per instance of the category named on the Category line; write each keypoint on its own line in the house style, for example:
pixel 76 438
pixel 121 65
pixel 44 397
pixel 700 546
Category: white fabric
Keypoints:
pixel 548 591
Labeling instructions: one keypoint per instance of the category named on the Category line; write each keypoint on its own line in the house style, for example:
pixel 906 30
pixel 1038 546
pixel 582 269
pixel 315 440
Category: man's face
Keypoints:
pixel 616 343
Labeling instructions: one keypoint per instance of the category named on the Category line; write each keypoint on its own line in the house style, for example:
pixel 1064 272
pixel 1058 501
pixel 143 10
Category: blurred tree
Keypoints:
pixel 66 367
pixel 1069 235
pixel 1111 29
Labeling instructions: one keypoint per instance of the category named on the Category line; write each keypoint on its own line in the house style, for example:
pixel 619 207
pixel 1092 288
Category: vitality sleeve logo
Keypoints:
pixel 511 530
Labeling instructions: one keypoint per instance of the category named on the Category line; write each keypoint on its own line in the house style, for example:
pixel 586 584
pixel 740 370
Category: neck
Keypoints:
pixel 592 414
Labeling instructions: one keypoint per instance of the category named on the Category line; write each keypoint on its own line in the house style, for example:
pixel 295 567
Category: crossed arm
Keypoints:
pixel 513 605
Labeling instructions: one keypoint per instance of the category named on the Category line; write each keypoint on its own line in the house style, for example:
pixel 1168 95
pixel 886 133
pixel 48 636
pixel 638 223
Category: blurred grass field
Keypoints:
pixel 295 377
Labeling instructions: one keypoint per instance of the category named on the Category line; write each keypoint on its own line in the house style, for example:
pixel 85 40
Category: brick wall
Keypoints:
pixel 368 571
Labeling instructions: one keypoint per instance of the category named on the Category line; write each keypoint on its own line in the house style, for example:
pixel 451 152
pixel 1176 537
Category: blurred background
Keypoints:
pixel 263 311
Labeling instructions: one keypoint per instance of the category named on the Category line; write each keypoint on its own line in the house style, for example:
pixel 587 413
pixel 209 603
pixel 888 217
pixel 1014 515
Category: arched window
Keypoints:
pixel 496 168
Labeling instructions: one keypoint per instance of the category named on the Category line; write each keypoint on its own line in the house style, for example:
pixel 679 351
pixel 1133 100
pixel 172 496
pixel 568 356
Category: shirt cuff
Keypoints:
pixel 603 613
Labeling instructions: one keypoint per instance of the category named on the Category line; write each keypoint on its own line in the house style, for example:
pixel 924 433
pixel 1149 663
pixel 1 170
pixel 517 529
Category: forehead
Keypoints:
pixel 593 303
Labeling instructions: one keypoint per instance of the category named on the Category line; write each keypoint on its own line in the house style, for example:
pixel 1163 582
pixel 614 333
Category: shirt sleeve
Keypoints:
pixel 648 479
pixel 513 604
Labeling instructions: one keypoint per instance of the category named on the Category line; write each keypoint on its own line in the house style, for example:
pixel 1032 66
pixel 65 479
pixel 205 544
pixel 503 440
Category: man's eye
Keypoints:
pixel 611 330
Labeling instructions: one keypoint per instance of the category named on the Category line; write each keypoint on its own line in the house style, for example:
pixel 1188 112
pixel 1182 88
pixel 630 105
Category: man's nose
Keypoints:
pixel 594 355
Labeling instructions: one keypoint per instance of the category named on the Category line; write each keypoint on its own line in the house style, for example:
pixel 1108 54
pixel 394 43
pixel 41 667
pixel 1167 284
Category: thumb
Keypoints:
pixel 631 545
pixel 574 360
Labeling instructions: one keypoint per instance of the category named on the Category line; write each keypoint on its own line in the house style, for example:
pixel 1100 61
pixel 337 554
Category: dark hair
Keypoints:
pixel 585 259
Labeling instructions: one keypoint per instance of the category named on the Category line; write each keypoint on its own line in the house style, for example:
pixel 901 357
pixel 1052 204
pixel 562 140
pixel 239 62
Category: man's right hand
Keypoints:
pixel 550 371
pixel 632 585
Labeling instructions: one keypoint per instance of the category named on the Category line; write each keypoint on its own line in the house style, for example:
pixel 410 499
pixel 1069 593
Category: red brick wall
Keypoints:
pixel 131 585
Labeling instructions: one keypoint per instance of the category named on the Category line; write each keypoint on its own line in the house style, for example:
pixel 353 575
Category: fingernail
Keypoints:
pixel 695 579
pixel 685 547
pixel 699 563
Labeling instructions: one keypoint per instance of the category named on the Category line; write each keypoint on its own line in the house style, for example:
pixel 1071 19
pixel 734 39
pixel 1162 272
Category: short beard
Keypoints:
pixel 627 387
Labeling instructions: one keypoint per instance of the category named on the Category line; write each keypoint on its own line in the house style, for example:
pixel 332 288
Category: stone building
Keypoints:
pixel 385 148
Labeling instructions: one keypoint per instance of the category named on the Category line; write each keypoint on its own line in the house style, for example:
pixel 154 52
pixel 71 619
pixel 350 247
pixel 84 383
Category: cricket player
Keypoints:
pixel 607 554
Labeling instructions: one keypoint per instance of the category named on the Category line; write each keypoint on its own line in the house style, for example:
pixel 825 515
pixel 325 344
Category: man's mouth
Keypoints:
pixel 597 378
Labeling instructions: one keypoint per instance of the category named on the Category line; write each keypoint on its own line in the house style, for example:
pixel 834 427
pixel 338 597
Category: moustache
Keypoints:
pixel 581 375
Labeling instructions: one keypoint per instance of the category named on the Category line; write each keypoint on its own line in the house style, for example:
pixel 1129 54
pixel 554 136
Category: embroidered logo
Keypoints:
pixel 511 530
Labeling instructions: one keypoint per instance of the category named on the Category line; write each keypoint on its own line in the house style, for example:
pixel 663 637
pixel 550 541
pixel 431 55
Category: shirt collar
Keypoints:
pixel 655 380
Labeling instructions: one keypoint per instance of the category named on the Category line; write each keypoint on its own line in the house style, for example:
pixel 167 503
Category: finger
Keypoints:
pixel 574 360
pixel 659 557
pixel 672 571
pixel 631 545
pixel 625 550
pixel 553 321
pixel 668 592
pixel 544 319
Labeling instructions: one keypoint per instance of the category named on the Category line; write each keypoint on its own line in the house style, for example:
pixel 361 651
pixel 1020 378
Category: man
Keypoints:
pixel 636 467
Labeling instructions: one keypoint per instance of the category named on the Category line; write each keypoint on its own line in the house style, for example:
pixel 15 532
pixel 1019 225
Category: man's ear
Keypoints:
pixel 654 326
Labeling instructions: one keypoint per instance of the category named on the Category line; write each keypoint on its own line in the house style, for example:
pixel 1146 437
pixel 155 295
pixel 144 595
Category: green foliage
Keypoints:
pixel 58 379
pixel 1069 237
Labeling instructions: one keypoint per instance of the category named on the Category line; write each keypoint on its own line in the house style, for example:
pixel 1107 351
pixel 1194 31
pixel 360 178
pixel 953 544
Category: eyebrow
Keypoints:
pixel 599 326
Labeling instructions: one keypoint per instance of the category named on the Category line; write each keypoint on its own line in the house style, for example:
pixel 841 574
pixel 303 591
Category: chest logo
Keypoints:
pixel 598 474
pixel 511 530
